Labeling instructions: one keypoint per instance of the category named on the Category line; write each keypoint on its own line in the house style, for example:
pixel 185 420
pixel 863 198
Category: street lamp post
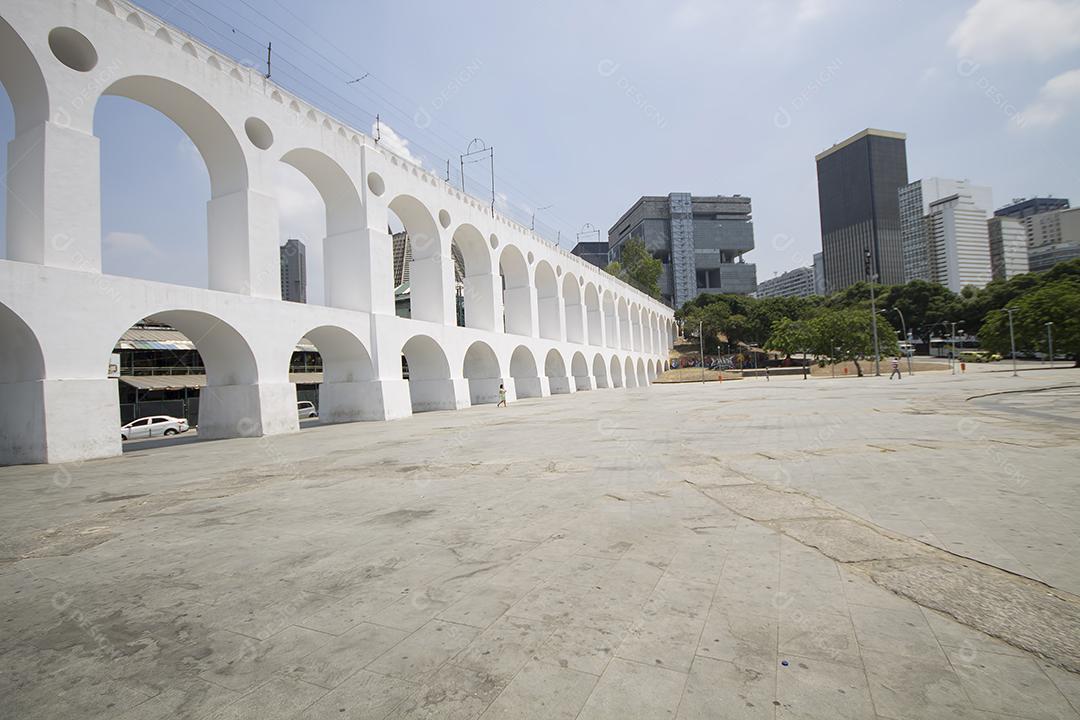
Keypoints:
pixel 532 224
pixel 955 359
pixel 1012 337
pixel 1050 341
pixel 701 351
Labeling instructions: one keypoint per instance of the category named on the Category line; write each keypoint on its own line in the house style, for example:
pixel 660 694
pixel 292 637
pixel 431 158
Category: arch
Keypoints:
pixel 555 369
pixel 477 284
pixel 430 387
pixel 200 121
pixel 575 322
pixel 635 327
pixel 611 326
pixel 517 292
pixel 523 371
pixel 23 436
pixel 593 316
pixel 480 367
pixel 629 374
pixel 343 284
pixel 343 394
pixel 599 371
pixel 231 404
pixel 624 325
pixel 642 376
pixel 616 372
pixel 547 300
pixel 429 280
pixel 579 369
pixel 651 370
pixel 24 82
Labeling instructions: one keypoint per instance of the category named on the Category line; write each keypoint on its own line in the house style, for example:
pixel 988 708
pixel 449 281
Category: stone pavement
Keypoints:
pixel 744 550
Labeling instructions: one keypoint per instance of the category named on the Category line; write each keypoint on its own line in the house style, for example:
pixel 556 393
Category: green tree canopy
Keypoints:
pixel 1057 302
pixel 637 267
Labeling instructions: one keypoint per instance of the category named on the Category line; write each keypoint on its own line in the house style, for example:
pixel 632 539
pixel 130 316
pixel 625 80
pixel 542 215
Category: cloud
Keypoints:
pixel 134 244
pixel 995 30
pixel 1057 98
pixel 396 144
pixel 773 14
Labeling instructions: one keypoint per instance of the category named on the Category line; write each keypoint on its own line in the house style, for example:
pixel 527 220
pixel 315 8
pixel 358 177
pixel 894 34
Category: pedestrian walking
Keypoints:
pixel 766 373
pixel 896 368
pixel 502 396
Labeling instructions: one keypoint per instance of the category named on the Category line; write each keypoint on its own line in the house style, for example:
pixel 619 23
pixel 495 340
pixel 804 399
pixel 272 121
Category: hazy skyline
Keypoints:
pixel 590 106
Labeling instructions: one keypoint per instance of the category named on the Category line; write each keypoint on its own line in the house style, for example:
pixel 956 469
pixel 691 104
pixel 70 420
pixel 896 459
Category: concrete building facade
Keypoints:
pixel 1008 247
pixel 819 273
pixel 858 180
pixel 699 239
pixel 538 320
pixel 959 243
pixel 592 252
pixel 915 199
pixel 1053 237
pixel 793 283
pixel 294 271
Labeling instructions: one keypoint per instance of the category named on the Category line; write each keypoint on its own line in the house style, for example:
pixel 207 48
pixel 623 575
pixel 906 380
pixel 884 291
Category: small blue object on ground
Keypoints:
pixel 784 663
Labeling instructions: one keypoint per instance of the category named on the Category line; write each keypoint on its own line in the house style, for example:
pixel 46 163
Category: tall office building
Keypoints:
pixel 1008 247
pixel 915 199
pixel 592 252
pixel 959 243
pixel 793 283
pixel 1053 237
pixel 699 239
pixel 293 271
pixel 1026 207
pixel 858 180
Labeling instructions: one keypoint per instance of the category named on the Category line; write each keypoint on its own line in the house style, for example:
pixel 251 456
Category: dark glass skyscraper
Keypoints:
pixel 858 180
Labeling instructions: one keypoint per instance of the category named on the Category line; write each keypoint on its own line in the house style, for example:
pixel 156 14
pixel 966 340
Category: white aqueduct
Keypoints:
pixel 537 319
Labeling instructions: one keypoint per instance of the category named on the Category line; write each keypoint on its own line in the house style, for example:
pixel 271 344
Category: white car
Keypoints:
pixel 154 426
pixel 306 409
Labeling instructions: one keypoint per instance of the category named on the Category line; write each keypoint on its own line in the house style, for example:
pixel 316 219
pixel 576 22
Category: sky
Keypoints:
pixel 589 105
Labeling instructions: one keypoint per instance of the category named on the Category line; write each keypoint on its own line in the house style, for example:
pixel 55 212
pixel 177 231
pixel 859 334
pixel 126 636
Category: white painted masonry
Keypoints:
pixel 559 326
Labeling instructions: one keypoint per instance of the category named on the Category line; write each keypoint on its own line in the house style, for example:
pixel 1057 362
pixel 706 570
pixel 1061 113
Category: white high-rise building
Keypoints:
pixel 959 243
pixel 915 201
pixel 794 283
pixel 1008 247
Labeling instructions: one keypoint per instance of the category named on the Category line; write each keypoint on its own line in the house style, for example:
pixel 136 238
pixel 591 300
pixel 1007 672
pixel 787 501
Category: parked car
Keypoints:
pixel 306 409
pixel 154 426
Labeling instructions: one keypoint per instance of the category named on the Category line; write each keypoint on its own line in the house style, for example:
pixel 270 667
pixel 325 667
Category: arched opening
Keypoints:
pixel 629 375
pixel 547 300
pixel 341 393
pixel 555 369
pixel 321 230
pixel 611 328
pixel 616 373
pixel 481 369
pixel 517 293
pixel 174 206
pixel 523 370
pixel 424 276
pixel 476 291
pixel 599 371
pixel 625 341
pixel 579 368
pixel 592 311
pixel 651 369
pixel 635 327
pixel 428 373
pixel 23 437
pixel 24 104
pixel 192 366
pixel 642 378
pixel 575 331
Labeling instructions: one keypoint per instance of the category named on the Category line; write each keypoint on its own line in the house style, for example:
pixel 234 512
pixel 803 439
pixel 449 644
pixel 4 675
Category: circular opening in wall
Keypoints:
pixel 375 184
pixel 530 258
pixel 581 281
pixel 558 271
pixel 444 218
pixel 73 49
pixel 258 133
pixel 494 241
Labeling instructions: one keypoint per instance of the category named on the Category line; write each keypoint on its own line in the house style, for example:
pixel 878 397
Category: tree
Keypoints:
pixel 1057 302
pixel 790 336
pixel 637 267
pixel 847 335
